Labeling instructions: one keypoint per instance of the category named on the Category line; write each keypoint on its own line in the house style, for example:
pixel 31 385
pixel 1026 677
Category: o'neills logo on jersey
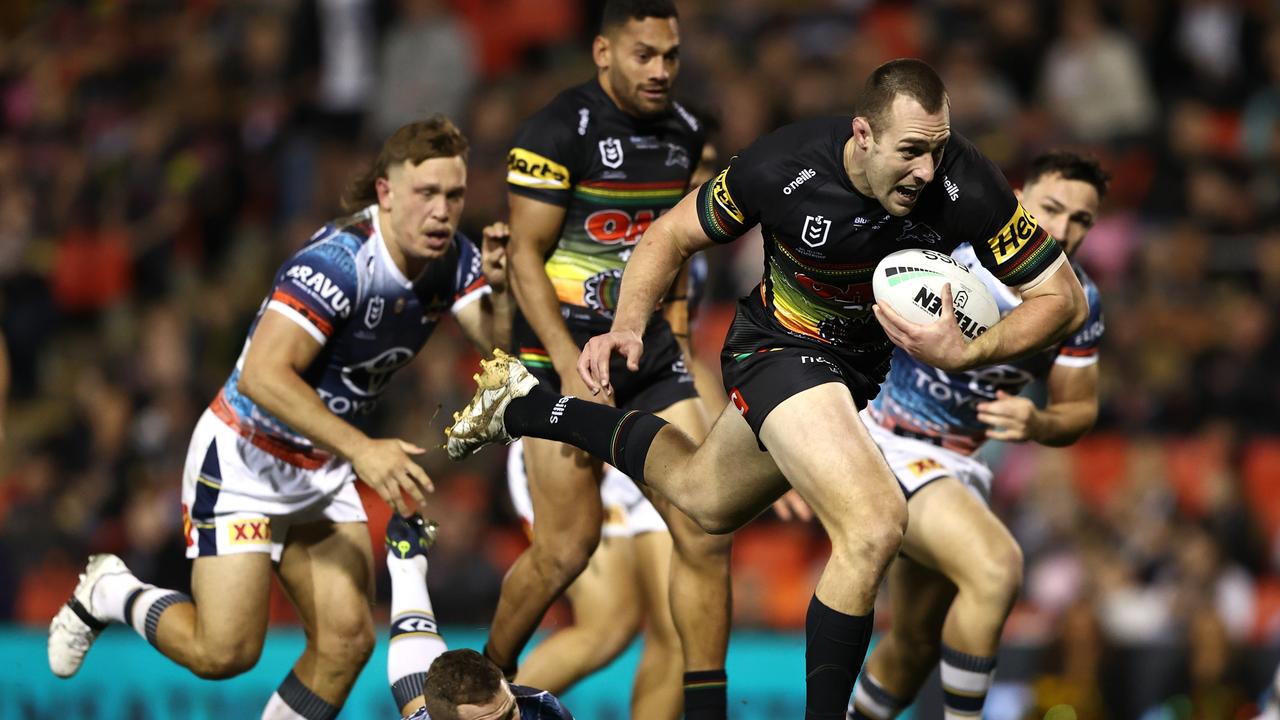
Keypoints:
pixel 320 286
pixel 805 174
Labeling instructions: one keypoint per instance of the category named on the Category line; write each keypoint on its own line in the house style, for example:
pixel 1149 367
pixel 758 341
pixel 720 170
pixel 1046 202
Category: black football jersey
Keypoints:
pixel 614 173
pixel 823 239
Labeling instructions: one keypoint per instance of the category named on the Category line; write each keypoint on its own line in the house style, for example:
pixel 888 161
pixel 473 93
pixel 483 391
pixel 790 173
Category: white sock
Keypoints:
pixel 415 638
pixel 110 593
pixel 965 681
pixel 145 604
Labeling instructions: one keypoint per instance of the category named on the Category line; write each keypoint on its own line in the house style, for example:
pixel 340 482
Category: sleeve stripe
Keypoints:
pixel 1076 361
pixel 1041 248
pixel 477 290
pixel 1079 351
pixel 297 317
pixel 311 316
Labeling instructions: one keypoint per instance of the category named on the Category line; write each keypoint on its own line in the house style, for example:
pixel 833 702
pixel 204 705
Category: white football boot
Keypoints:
pixel 76 625
pixel 499 381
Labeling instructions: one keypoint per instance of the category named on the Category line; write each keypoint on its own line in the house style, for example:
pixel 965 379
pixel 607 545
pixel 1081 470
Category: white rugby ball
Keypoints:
pixel 911 281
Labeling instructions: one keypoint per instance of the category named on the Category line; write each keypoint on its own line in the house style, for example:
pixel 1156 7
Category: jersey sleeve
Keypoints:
pixel 725 206
pixel 1005 237
pixel 546 159
pixel 317 287
pixel 1083 347
pixel 469 282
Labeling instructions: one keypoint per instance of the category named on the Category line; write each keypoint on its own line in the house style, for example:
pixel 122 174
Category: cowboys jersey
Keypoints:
pixel 940 406
pixel 345 291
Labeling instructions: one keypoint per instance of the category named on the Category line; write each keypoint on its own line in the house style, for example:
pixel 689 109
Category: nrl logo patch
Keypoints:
pixel 611 152
pixel 815 230
pixel 373 312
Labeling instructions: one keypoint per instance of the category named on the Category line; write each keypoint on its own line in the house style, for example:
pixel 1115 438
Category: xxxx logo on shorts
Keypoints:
pixel 253 531
pixel 923 465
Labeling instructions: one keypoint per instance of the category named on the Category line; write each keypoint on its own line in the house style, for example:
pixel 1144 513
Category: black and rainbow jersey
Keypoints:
pixel 823 238
pixel 614 173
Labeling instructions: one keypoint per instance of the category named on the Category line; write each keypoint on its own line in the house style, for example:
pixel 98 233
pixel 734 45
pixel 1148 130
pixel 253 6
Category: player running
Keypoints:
pixel 805 353
pixel 960 570
pixel 587 175
pixel 429 681
pixel 269 478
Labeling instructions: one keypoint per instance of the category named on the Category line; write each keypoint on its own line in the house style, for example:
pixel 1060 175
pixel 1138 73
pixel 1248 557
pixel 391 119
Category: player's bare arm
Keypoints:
pixel 535 230
pixel 669 242
pixel 281 350
pixel 1051 309
pixel 1070 413
pixel 487 322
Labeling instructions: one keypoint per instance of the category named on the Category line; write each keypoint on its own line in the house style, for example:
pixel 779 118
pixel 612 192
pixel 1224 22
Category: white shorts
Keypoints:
pixel 917 463
pixel 627 512
pixel 238 498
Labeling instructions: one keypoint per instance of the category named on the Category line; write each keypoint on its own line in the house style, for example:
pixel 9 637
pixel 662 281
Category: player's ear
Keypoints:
pixel 1017 192
pixel 600 52
pixel 862 132
pixel 383 186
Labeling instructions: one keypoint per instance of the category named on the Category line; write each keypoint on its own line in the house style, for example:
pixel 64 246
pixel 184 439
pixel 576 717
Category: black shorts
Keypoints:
pixel 662 381
pixel 763 366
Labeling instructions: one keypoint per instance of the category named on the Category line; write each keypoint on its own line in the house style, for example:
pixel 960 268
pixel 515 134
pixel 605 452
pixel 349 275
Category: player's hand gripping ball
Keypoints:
pixel 911 282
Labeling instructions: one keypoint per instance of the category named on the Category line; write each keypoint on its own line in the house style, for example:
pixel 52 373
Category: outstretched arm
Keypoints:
pixel 669 242
pixel 1071 412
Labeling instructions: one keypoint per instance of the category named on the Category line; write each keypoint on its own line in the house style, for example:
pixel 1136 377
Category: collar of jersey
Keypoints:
pixel 384 255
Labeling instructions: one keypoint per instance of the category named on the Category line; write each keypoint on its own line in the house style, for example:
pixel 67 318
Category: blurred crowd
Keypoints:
pixel 158 160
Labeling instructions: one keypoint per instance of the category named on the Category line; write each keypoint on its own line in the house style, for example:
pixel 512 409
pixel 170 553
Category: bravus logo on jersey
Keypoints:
pixel 320 287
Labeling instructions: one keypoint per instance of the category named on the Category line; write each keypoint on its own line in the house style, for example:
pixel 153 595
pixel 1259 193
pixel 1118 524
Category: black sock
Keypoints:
pixel 618 437
pixel 706 695
pixel 835 646
pixel 303 701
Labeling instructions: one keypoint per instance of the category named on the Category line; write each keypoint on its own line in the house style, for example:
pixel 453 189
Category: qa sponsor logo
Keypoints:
pixel 254 531
pixel 816 228
pixel 735 395
pixel 611 152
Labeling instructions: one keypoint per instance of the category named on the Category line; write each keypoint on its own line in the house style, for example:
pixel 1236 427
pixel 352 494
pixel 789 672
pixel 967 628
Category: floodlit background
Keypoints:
pixel 159 158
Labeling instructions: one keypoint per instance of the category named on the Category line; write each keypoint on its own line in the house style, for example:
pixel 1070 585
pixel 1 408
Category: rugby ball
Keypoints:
pixel 911 281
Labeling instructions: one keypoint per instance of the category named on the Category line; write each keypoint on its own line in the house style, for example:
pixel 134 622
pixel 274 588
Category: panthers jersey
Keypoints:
pixel 823 238
pixel 346 292
pixel 613 173
pixel 932 403
pixel 531 704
